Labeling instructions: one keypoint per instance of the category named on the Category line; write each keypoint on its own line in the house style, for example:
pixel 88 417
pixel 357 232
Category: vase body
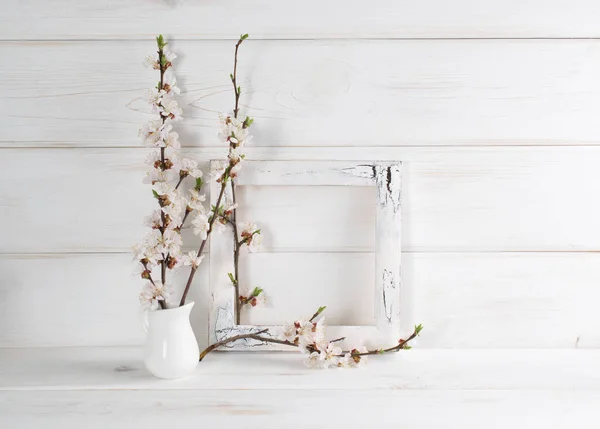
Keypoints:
pixel 171 349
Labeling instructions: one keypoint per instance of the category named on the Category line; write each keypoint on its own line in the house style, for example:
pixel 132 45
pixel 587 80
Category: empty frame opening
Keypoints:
pixel 318 249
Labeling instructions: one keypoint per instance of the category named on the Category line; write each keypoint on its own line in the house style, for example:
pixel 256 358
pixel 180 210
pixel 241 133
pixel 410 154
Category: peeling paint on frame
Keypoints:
pixel 387 178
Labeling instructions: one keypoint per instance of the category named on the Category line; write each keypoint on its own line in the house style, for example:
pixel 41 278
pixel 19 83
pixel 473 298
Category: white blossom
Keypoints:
pixel 250 233
pixel 172 140
pixel 256 243
pixel 151 61
pixel 154 220
pixel 154 175
pixel 172 202
pixel 218 169
pixel 153 159
pixel 155 132
pixel 169 56
pixel 235 170
pixel 314 361
pixel 190 167
pixel 175 213
pixel 155 97
pixel 306 335
pixel 235 156
pixel 363 349
pixel 201 226
pixel 259 300
pixel 232 130
pixel 347 361
pixel 170 83
pixel 140 269
pixel 153 293
pixel 157 174
pixel 147 253
pixel 192 259
pixel 330 355
pixel 167 242
pixel 290 333
pixel 169 108
pixel 195 200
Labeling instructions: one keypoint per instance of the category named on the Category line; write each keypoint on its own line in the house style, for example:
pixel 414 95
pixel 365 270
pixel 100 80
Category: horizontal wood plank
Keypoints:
pixel 454 199
pixel 85 299
pixel 121 368
pixel 489 300
pixel 298 284
pixel 290 408
pixel 70 19
pixel 310 93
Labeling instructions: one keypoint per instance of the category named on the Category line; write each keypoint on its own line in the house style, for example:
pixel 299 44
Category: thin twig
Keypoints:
pixel 210 227
pixel 162 302
pixel 236 256
pixel 256 336
pixel 163 68
pixel 314 316
pixel 396 348
pixel 229 340
pixel 234 78
pixel 236 250
pixel 185 216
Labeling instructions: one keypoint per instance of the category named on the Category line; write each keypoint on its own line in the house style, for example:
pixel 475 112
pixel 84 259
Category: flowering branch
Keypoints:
pixel 162 246
pixel 232 146
pixel 229 340
pixel 163 65
pixel 235 133
pixel 209 230
pixel 309 338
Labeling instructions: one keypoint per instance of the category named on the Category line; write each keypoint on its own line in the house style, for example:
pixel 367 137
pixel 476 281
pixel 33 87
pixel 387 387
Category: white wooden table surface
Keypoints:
pixel 108 387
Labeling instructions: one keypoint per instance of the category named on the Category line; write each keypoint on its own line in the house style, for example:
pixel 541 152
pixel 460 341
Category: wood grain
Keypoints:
pixel 464 300
pixel 121 368
pixel 456 199
pixel 311 93
pixel 453 409
pixel 80 299
pixel 141 19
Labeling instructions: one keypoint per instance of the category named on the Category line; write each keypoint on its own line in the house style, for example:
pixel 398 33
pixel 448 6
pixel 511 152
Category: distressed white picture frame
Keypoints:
pixel 386 177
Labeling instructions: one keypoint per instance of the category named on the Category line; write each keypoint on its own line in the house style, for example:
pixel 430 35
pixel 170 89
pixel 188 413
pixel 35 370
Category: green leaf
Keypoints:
pixel 418 328
pixel 199 183
pixel 407 347
pixel 257 291
pixel 160 41
pixel 256 232
pixel 247 122
pixel 243 37
pixel 155 194
pixel 317 313
pixel 233 280
pixel 231 76
pixel 380 351
pixel 239 90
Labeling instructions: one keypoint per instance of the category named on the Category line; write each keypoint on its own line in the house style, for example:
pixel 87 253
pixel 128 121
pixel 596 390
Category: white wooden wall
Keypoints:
pixel 492 106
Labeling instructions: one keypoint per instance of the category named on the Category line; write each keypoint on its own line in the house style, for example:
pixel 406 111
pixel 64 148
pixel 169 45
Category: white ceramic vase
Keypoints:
pixel 171 349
